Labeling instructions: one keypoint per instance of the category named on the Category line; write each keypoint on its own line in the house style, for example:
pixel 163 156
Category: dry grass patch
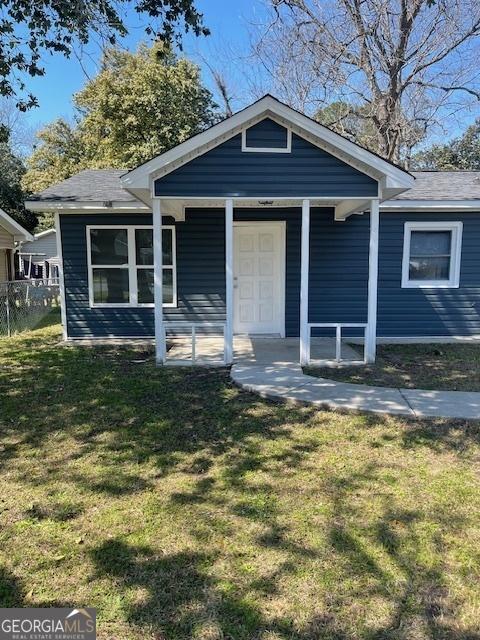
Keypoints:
pixel 449 367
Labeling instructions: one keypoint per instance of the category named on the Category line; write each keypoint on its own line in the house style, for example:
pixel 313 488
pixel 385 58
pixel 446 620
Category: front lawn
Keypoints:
pixel 449 367
pixel 183 508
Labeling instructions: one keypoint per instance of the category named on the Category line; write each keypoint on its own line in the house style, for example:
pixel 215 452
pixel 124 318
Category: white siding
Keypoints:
pixel 6 239
pixel 46 245
pixel 3 265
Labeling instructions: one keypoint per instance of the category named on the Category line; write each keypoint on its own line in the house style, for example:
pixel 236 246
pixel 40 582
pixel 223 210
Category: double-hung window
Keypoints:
pixel 120 266
pixel 432 254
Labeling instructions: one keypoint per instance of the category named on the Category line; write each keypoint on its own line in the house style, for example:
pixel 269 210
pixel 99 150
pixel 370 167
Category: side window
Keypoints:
pixel 432 254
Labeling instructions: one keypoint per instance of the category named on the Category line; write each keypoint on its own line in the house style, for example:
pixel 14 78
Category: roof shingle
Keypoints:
pixel 443 185
pixel 90 185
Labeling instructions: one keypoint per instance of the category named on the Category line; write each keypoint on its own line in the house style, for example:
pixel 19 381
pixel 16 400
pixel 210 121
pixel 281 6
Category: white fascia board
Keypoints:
pixel 140 177
pixel 14 228
pixel 86 206
pixel 430 205
pixel 42 234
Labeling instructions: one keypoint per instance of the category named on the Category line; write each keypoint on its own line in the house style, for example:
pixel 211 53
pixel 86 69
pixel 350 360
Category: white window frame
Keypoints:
pixel 287 149
pixel 131 266
pixel 456 229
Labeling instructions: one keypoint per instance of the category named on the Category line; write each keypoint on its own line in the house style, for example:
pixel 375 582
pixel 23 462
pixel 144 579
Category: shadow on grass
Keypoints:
pixel 117 415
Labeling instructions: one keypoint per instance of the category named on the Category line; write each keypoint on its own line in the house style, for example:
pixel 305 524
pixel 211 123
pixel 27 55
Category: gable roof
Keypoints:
pixel 392 178
pixel 13 227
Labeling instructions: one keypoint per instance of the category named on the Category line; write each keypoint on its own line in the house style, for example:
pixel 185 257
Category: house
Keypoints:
pixel 11 234
pixel 268 223
pixel 38 258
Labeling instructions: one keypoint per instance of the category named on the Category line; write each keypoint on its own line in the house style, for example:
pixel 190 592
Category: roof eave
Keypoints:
pixel 114 206
pixel 431 205
pixel 14 228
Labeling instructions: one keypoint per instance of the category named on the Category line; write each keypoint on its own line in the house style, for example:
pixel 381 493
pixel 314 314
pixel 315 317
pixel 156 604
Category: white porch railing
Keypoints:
pixel 179 325
pixel 338 326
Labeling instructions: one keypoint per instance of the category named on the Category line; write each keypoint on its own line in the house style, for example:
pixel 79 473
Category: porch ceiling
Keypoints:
pixel 344 207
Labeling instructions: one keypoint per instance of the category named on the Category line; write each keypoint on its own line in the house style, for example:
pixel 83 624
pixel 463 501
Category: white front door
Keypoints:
pixel 259 278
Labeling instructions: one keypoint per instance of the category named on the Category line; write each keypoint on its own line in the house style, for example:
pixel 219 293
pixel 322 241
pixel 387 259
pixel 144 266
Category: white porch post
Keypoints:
pixel 229 281
pixel 371 333
pixel 304 330
pixel 160 347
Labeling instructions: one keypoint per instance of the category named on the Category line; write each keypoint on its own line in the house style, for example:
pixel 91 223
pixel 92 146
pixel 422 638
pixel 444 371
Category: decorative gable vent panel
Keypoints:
pixel 267 136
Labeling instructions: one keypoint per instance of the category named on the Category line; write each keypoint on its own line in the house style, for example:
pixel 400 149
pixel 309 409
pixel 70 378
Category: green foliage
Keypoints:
pixel 11 192
pixel 46 221
pixel 461 153
pixel 58 155
pixel 139 105
pixel 29 29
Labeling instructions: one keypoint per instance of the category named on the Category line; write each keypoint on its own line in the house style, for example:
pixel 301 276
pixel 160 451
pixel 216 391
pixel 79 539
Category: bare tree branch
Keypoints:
pixel 404 65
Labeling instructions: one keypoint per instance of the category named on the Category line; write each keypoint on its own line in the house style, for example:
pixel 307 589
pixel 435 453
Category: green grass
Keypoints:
pixel 183 508
pixel 449 367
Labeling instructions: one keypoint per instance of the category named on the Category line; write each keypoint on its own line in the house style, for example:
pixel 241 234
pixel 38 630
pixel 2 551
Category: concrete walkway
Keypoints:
pixel 289 383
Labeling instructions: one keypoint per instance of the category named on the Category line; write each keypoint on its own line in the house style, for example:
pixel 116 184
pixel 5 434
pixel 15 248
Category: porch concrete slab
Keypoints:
pixel 289 383
pixel 462 405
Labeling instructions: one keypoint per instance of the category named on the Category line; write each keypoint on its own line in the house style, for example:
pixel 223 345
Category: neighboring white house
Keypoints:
pixel 38 258
pixel 11 234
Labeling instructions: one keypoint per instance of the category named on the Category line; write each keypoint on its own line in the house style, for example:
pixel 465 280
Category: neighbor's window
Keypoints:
pixel 121 266
pixel 431 254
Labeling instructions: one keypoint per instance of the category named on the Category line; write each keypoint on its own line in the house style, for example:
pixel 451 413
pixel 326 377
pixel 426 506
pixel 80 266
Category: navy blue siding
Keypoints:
pixel 81 320
pixel 200 276
pixel 428 312
pixel 267 133
pixel 338 275
pixel 226 171
pixel 338 281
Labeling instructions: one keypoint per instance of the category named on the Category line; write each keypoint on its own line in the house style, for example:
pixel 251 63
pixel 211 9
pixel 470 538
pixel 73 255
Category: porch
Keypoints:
pixel 274 260
pixel 209 351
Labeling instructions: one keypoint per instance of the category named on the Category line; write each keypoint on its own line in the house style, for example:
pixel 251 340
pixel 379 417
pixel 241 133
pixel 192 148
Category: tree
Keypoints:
pixel 400 65
pixel 139 105
pixel 58 154
pixel 461 153
pixel 29 29
pixel 348 121
pixel 11 192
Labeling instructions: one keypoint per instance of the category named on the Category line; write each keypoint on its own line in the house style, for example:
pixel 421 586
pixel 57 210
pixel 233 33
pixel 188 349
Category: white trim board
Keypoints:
pixel 430 205
pixel 286 149
pixel 42 234
pixel 85 206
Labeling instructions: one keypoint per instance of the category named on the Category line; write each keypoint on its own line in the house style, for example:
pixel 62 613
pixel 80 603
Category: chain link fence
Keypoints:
pixel 24 303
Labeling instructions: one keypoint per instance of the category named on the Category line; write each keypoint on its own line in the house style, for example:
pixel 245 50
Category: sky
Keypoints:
pixel 227 20
pixel 230 22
